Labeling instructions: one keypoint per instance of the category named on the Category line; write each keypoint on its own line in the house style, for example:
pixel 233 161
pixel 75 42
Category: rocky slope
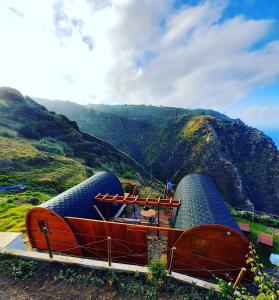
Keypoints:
pixel 172 142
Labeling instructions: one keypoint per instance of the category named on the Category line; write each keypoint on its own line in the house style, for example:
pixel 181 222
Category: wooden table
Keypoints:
pixel 148 213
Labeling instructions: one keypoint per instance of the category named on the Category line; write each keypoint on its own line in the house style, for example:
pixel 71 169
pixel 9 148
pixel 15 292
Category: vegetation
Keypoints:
pixel 48 154
pixel 54 134
pixel 129 175
pixel 54 146
pixel 131 286
pixel 255 229
pixel 172 142
pixel 13 208
pixel 262 218
pixel 264 287
pixel 259 223
pixel 17 267
pixel 158 272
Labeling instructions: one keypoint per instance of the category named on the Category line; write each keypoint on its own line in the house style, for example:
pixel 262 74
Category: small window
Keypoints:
pixel 200 246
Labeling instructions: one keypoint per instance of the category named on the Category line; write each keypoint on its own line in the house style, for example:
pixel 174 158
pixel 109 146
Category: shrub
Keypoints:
pixel 54 146
pixel 129 175
pixel 226 289
pixel 264 219
pixel 157 272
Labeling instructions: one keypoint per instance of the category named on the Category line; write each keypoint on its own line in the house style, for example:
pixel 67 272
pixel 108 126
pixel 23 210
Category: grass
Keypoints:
pixel 13 208
pixel 13 219
pixel 6 132
pixel 27 165
pixel 262 252
pixel 43 183
pixel 15 149
pixel 60 173
pixel 45 175
pixel 193 126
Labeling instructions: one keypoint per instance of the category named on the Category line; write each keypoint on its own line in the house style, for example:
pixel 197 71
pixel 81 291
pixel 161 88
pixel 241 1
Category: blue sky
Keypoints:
pixel 217 54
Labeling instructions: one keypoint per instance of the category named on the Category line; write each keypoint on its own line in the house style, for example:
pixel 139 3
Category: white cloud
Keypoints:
pixel 261 116
pixel 181 24
pixel 131 51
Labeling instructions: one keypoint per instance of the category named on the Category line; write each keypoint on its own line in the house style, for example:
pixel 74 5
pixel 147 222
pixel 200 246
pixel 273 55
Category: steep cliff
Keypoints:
pixel 172 142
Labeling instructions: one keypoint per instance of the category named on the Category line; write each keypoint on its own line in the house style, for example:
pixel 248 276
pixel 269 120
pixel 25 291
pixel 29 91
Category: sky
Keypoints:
pixel 217 54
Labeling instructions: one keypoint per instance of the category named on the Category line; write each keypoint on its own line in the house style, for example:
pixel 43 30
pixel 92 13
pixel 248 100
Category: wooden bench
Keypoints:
pixel 245 228
pixel 265 239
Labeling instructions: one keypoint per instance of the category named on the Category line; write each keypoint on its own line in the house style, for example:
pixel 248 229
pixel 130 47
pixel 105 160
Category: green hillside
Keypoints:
pixel 48 154
pixel 172 142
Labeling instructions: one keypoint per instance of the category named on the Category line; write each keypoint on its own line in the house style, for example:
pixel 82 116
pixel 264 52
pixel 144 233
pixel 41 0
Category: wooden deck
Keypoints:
pixel 163 217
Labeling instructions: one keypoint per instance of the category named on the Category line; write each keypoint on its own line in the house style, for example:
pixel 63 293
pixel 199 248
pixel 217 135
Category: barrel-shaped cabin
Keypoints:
pixel 78 203
pixel 211 242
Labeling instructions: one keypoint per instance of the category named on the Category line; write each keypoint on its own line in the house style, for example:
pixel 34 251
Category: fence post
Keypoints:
pixel 45 232
pixel 172 258
pixel 109 250
pixel 158 231
pixel 239 277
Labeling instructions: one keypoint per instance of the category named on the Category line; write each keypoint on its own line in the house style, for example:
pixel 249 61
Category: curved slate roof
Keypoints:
pixel 201 204
pixel 78 201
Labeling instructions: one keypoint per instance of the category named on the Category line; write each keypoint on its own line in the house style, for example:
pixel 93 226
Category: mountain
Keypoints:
pixel 42 149
pixel 172 142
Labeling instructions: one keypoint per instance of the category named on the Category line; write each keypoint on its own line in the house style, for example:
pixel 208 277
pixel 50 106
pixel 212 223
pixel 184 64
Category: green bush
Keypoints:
pixel 54 146
pixel 226 289
pixel 264 219
pixel 129 175
pixel 157 272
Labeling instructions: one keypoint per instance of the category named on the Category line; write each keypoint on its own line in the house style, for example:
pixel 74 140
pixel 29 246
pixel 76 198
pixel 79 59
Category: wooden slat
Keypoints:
pixel 128 199
pixel 124 197
pixel 147 199
pixel 128 242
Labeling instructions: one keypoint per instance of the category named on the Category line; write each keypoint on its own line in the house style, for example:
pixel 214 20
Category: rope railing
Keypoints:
pixel 112 249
